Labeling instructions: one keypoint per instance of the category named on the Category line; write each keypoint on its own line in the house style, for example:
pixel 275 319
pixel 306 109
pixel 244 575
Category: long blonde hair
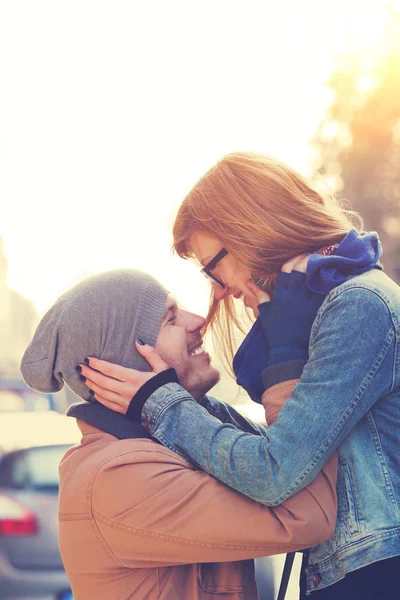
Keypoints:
pixel 264 213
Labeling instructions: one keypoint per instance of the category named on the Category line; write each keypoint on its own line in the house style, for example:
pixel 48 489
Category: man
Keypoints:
pixel 136 519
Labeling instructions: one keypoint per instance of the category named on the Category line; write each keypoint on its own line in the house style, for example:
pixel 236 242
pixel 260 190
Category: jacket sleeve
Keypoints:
pixel 349 370
pixel 227 414
pixel 165 512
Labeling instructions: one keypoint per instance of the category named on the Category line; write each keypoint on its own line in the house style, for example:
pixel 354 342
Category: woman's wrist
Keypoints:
pixel 135 407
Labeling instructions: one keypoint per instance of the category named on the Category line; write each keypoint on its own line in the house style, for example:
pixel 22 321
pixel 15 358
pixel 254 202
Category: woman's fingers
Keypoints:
pixel 109 369
pixel 153 358
pixel 260 295
pixel 104 393
pixel 121 374
pixel 100 380
pixel 298 263
pixel 115 386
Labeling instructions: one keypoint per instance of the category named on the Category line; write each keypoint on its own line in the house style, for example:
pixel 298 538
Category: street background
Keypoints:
pixel 111 110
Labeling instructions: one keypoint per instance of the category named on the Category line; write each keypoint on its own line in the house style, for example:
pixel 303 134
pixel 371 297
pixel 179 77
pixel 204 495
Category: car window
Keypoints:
pixel 32 468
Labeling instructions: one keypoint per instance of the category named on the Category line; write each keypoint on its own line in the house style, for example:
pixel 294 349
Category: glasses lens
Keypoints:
pixel 206 270
pixel 212 278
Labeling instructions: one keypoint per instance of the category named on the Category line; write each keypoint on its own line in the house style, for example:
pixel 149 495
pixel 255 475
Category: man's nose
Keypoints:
pixel 195 322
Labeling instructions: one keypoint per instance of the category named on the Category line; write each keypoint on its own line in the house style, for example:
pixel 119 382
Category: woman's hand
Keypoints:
pixel 255 296
pixel 260 296
pixel 115 386
pixel 288 318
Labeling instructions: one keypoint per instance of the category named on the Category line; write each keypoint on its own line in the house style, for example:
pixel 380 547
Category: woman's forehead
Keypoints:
pixel 204 246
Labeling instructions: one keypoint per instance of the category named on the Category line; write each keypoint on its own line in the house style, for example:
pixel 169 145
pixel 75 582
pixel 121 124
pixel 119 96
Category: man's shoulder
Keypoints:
pixel 97 453
pixel 100 457
pixel 103 469
pixel 111 477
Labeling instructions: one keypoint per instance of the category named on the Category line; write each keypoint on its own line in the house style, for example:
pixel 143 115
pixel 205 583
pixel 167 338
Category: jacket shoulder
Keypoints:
pixel 372 293
pixel 98 466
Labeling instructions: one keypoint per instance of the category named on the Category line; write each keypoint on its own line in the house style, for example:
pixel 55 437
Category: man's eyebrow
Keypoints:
pixel 171 307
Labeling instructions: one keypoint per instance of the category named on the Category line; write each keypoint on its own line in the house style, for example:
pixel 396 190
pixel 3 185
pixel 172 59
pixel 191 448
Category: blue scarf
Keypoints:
pixel 250 361
pixel 356 253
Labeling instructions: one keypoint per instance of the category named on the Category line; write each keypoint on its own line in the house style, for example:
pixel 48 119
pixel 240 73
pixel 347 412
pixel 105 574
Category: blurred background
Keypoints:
pixel 110 112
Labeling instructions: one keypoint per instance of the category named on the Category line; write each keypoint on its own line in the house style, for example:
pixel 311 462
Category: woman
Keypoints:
pixel 242 221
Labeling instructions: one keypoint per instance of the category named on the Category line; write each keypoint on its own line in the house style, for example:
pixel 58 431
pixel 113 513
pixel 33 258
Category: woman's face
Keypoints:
pixel 228 270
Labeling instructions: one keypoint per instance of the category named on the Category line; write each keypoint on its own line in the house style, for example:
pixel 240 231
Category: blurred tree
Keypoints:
pixel 358 144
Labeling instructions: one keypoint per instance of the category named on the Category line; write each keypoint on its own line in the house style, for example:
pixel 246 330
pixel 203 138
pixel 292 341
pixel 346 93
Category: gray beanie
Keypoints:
pixel 100 317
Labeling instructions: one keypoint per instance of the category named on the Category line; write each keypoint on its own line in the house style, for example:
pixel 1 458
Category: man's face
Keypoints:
pixel 179 343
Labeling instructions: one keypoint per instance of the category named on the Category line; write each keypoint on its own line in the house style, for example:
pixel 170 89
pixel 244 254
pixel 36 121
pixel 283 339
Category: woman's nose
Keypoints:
pixel 219 292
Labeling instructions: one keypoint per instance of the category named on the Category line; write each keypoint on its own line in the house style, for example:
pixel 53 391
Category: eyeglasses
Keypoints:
pixel 206 270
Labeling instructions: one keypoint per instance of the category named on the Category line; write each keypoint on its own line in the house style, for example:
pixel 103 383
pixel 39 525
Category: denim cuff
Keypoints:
pixel 161 399
pixel 138 401
pixel 282 372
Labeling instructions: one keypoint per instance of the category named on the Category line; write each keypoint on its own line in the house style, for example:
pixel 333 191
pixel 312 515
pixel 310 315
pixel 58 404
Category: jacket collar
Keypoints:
pixel 104 419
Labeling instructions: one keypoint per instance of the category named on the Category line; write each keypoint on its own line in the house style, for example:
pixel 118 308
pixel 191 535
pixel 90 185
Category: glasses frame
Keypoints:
pixel 206 270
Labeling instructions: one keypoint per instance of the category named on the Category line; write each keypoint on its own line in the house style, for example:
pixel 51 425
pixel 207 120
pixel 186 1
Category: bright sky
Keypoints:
pixel 111 110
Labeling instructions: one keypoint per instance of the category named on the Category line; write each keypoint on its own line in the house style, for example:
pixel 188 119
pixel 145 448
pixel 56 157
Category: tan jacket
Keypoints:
pixel 139 522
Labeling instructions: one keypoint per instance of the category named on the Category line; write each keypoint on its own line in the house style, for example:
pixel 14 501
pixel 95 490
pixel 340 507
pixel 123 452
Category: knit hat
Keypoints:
pixel 100 317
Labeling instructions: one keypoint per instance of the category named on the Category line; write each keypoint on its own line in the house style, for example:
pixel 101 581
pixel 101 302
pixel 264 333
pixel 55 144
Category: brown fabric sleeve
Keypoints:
pixel 158 510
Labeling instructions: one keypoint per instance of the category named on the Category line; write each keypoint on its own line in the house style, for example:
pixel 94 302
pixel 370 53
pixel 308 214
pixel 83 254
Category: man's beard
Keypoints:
pixel 203 384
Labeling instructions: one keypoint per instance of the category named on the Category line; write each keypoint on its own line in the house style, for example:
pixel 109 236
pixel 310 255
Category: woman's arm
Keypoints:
pixel 227 414
pixel 227 526
pixel 348 371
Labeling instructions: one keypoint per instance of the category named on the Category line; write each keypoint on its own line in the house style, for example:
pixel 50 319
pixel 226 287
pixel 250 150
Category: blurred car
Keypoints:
pixel 31 447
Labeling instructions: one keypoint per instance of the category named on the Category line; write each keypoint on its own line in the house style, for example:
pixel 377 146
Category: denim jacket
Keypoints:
pixel 348 398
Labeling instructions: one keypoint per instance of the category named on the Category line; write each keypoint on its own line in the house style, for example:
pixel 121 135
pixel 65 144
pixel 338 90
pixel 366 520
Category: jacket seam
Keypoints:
pixel 92 511
pixel 335 431
pixel 346 555
pixel 365 541
pixel 73 517
pixel 89 499
pixel 166 443
pixel 180 540
pixel 396 363
pixel 381 458
pixel 178 395
pixel 349 286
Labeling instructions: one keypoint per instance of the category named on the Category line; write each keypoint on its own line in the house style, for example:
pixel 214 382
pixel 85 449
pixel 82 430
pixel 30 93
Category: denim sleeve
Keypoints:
pixel 227 414
pixel 349 369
